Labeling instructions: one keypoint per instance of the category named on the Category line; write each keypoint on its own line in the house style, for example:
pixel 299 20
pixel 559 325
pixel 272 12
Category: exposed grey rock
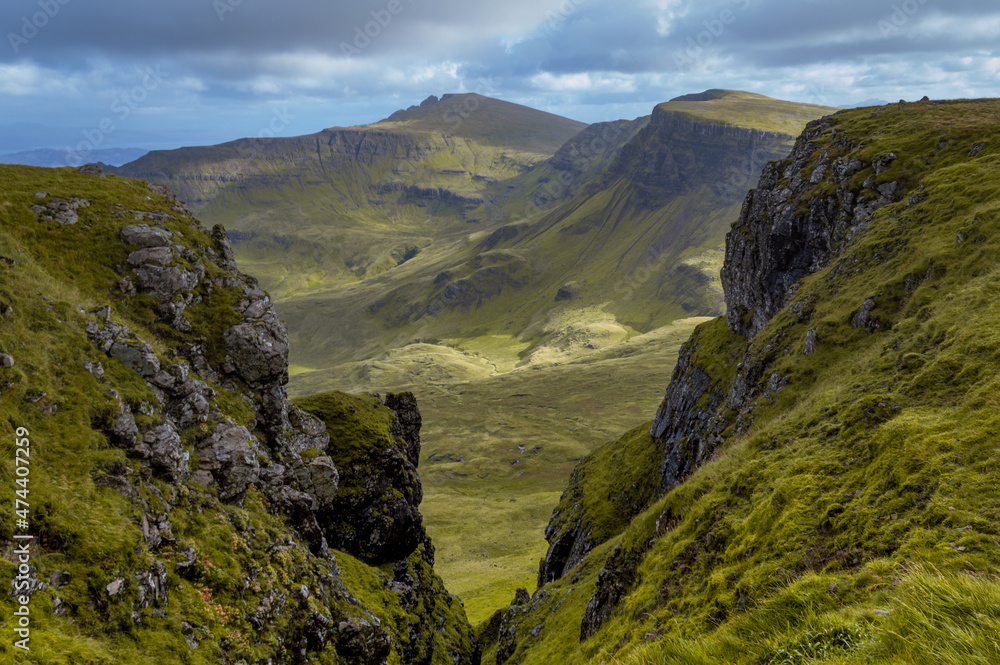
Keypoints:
pixel 137 355
pixel 157 256
pixel 152 587
pixel 115 586
pixel 96 169
pixel 227 260
pixel 518 611
pixel 407 423
pixel 774 243
pixel 863 317
pixel 810 347
pixel 6 360
pixel 976 149
pixel 307 432
pixel 173 310
pixel 144 235
pixel 685 422
pixel 160 190
pixel 362 642
pixel 259 351
pixel 95 368
pixel 163 282
pixel 161 447
pixel 156 529
pixel 230 455
pixel 125 431
pixel 614 581
pixel 126 286
pixel 325 479
pixel 61 210
pixel 189 401
pixel 59 578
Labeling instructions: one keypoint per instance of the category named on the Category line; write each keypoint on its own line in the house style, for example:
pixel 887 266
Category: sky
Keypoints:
pixel 166 73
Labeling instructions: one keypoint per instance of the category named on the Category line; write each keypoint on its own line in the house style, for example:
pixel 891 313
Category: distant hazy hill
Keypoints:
pixel 868 102
pixel 49 157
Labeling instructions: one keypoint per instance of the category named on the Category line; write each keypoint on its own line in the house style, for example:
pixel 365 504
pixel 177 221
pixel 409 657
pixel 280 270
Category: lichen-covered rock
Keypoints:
pixel 157 256
pixel 362 642
pixel 137 355
pixel 164 282
pixel 229 456
pixel 784 232
pixel 125 431
pixel 259 351
pixel 161 447
pixel 614 581
pixel 146 236
pixel 375 514
pixel 408 422
pixel 686 421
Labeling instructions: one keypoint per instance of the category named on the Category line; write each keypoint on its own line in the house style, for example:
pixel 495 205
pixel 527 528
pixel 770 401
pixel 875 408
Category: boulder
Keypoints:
pixel 137 355
pixel 161 447
pixel 259 351
pixel 230 455
pixel 144 235
pixel 157 256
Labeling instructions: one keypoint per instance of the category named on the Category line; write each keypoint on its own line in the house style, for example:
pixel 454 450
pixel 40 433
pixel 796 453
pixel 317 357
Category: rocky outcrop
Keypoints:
pixel 613 485
pixel 375 513
pixel 60 210
pixel 786 231
pixel 181 379
pixel 686 422
pixel 806 209
pixel 618 576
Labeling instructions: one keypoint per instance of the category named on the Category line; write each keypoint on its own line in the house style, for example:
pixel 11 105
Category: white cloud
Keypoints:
pixel 604 82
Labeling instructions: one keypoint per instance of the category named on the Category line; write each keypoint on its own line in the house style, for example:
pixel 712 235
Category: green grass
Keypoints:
pixel 325 232
pixel 747 109
pixel 855 520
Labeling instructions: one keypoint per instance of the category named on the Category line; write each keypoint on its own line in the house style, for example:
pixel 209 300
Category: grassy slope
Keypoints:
pixel 59 277
pixel 747 109
pixel 318 205
pixel 635 217
pixel 856 522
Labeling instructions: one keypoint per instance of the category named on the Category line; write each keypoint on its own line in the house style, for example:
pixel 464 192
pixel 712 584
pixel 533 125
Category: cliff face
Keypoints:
pixel 158 390
pixel 677 154
pixel 802 214
pixel 806 209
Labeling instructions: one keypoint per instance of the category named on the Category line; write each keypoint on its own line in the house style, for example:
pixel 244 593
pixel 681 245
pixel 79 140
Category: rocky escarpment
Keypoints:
pixel 224 509
pixel 805 211
pixel 676 155
pixel 802 214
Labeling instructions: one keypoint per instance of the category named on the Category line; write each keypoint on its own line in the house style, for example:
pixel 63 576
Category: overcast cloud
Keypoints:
pixel 159 74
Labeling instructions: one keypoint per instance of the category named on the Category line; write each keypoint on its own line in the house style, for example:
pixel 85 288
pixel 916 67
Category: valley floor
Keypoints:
pixel 499 442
